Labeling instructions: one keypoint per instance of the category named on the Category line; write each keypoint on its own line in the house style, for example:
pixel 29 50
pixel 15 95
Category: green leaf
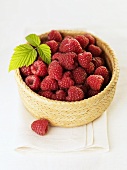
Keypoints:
pixel 24 55
pixel 33 39
pixel 45 53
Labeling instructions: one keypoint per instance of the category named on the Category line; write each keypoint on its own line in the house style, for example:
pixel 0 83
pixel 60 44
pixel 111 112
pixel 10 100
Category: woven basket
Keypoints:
pixel 71 114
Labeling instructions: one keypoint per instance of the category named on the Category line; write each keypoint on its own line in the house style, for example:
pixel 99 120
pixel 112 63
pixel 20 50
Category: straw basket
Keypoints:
pixel 71 114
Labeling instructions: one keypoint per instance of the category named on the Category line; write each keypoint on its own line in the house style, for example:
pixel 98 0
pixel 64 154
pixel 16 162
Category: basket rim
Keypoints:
pixel 114 78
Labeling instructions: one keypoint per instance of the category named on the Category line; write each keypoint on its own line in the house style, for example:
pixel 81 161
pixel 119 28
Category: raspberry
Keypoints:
pixel 91 38
pixel 79 75
pixel 84 59
pixel 91 92
pixel 49 84
pixel 90 69
pixel 25 71
pixel 67 60
pixel 40 126
pixel 55 70
pixel 95 50
pixel 39 68
pixel 75 94
pixel 55 35
pixel 68 74
pixel 33 81
pixel 95 81
pixel 84 41
pixel 53 46
pixel 103 71
pixel 60 95
pixel 48 94
pixel 98 61
pixel 70 45
pixel 65 82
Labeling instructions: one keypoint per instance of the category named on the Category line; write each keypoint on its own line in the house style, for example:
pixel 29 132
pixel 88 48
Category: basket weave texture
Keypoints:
pixel 71 114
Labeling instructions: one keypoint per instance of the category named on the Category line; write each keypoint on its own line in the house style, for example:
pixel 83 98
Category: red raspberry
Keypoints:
pixel 91 92
pixel 60 95
pixel 25 71
pixel 84 59
pixel 48 94
pixel 49 84
pixel 79 75
pixel 53 46
pixel 84 41
pixel 67 60
pixel 55 35
pixel 95 50
pixel 90 69
pixel 95 81
pixel 75 94
pixel 55 70
pixel 65 82
pixel 70 45
pixel 103 71
pixel 68 74
pixel 98 61
pixel 33 81
pixel 39 68
pixel 91 38
pixel 40 126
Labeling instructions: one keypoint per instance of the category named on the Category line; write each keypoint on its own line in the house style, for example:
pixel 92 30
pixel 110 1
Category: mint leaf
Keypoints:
pixel 33 39
pixel 24 55
pixel 45 53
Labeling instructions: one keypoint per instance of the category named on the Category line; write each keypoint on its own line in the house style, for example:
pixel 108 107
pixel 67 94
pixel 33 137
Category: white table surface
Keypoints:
pixel 107 19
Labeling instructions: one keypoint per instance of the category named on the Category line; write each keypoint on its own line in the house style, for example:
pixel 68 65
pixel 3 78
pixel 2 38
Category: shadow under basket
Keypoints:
pixel 71 114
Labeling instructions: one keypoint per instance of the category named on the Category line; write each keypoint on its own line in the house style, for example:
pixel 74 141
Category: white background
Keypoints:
pixel 108 20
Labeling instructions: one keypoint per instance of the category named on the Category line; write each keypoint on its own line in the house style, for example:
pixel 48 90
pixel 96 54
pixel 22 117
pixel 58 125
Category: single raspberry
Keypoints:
pixel 53 46
pixel 75 94
pixel 95 81
pixel 39 68
pixel 49 83
pixel 79 75
pixel 98 61
pixel 48 94
pixel 25 71
pixel 103 71
pixel 84 59
pixel 68 74
pixel 60 95
pixel 90 69
pixel 84 41
pixel 65 82
pixel 91 38
pixel 33 81
pixel 70 45
pixel 55 35
pixel 55 70
pixel 67 60
pixel 91 92
pixel 95 50
pixel 40 126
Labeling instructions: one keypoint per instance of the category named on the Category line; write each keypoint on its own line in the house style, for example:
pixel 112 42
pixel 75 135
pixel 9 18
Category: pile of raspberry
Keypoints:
pixel 77 71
